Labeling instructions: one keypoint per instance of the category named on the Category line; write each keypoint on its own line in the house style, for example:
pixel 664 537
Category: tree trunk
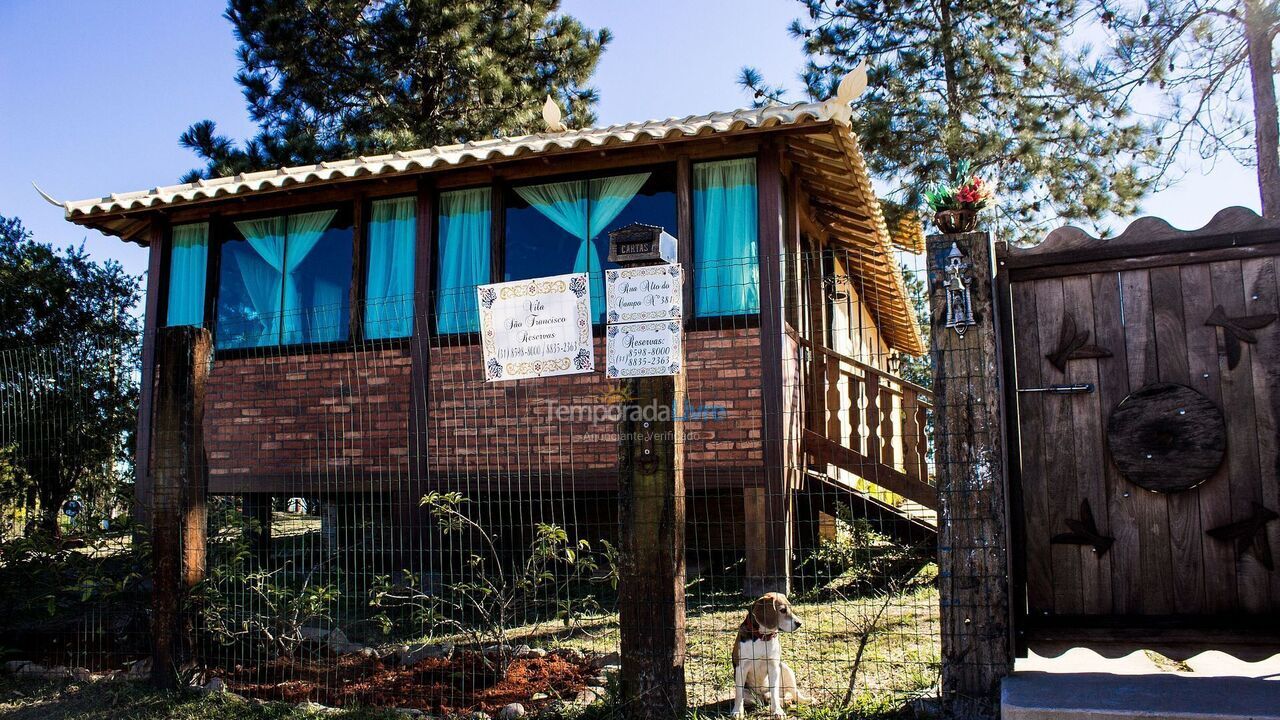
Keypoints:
pixel 950 76
pixel 1266 127
pixel 46 521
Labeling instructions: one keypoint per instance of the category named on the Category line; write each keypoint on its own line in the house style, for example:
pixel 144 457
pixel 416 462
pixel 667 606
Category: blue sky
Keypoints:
pixel 95 94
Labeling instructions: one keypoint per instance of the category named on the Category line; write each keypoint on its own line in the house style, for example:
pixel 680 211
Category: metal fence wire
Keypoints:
pixel 386 528
pixel 72 580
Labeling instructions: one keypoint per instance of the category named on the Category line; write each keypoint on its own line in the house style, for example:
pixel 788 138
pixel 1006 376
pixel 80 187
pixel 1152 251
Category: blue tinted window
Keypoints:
pixel 655 204
pixel 285 280
pixel 536 246
pixel 549 241
pixel 324 290
pixel 248 298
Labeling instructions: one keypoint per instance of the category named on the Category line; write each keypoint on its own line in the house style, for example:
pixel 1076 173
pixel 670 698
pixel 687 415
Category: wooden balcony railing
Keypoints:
pixel 869 423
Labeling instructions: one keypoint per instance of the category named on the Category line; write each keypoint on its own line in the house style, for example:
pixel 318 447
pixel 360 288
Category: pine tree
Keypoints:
pixel 328 79
pixel 1201 54
pixel 994 82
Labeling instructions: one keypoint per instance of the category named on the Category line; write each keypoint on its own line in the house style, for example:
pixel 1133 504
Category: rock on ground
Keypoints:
pixel 590 695
pixel 408 655
pixel 600 662
pixel 571 654
pixel 325 635
pixel 511 712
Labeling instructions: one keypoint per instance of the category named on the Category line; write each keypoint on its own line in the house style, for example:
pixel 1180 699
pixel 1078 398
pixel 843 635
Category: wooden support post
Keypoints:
pixel 151 320
pixel 973 563
pixel 409 492
pixel 781 460
pixel 179 483
pixel 651 562
pixel 420 346
pixel 257 512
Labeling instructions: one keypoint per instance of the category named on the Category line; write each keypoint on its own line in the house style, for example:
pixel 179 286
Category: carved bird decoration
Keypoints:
pixel 851 86
pixel 1084 532
pixel 1074 345
pixel 1237 330
pixel 1249 534
pixel 552 117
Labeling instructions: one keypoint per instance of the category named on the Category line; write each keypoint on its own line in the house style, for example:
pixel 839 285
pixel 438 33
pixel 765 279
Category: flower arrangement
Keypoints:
pixel 966 192
pixel 955 205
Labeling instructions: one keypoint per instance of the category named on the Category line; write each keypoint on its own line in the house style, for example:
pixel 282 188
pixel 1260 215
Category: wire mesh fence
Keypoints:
pixel 384 526
pixel 72 581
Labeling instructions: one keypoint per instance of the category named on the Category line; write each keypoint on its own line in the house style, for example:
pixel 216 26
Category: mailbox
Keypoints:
pixel 641 244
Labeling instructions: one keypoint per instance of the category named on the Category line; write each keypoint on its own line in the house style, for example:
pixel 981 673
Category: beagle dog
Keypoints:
pixel 757 655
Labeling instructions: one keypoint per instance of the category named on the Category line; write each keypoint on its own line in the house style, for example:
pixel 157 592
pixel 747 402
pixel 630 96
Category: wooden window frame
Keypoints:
pixel 360 264
pixel 496 216
pixel 710 322
pixel 219 227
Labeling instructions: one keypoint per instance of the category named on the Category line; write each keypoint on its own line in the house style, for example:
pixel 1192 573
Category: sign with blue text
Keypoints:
pixel 536 328
pixel 643 349
pixel 644 294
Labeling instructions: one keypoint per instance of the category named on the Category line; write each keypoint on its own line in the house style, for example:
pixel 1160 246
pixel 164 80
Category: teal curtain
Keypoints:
pixel 584 209
pixel 318 318
pixel 262 277
pixel 271 280
pixel 725 238
pixel 388 309
pixel 188 258
pixel 464 231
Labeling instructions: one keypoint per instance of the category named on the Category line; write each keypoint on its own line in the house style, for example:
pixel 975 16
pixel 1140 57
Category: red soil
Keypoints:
pixel 434 685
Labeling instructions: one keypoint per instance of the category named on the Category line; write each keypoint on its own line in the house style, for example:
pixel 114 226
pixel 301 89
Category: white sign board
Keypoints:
pixel 643 349
pixel 536 328
pixel 641 294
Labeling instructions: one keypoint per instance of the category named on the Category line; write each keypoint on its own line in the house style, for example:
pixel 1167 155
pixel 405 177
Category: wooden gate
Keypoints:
pixel 1142 415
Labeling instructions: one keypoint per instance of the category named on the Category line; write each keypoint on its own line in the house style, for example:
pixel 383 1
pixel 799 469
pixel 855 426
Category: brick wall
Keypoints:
pixel 330 420
pixel 316 420
pixel 562 427
pixel 724 369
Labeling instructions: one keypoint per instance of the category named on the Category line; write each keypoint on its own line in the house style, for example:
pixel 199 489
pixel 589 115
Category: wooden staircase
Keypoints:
pixel 866 432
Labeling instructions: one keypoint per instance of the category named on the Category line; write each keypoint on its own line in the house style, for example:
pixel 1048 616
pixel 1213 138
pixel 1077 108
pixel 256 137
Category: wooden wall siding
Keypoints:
pixel 335 421
pixel 1151 320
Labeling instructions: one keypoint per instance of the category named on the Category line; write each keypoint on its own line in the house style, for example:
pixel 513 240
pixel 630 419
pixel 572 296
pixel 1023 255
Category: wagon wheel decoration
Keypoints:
pixel 1236 331
pixel 1166 437
pixel 1084 532
pixel 1074 344
pixel 1249 534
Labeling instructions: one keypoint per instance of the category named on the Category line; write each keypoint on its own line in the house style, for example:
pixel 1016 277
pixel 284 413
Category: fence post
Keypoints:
pixel 973 566
pixel 651 515
pixel 651 570
pixel 179 483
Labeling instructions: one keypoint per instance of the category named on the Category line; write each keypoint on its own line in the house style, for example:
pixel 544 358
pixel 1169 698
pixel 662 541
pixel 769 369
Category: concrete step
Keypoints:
pixel 1103 696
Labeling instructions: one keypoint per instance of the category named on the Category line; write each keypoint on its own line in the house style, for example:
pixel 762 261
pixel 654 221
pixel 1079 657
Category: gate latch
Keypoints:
pixel 1061 389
